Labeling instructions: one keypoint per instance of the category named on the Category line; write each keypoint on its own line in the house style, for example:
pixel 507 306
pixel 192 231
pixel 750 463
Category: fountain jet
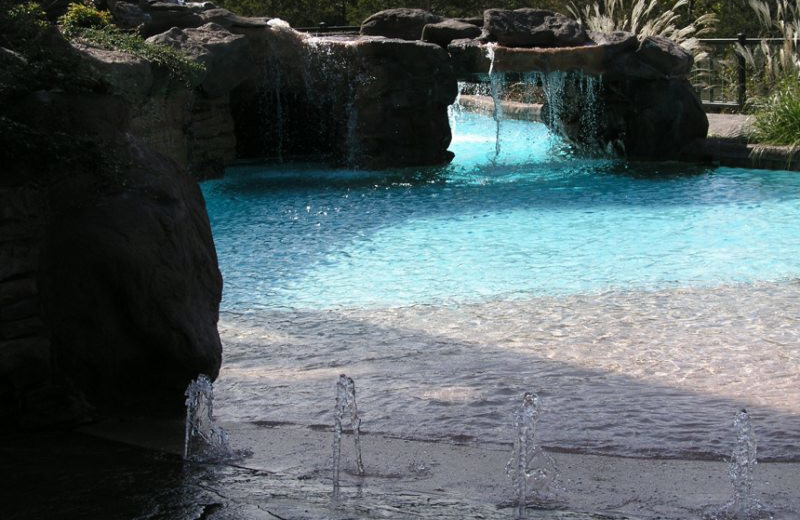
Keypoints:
pixel 529 462
pixel 203 440
pixel 345 408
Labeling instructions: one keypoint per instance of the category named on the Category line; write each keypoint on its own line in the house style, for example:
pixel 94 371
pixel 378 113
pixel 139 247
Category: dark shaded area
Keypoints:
pixel 72 476
pixel 109 285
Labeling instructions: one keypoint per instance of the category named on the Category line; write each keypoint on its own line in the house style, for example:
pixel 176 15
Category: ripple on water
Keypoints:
pixel 645 306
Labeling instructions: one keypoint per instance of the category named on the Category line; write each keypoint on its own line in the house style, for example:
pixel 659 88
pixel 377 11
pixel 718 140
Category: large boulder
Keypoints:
pixel 109 296
pixel 531 28
pixel 406 24
pixel 661 118
pixel 652 119
pixel 128 15
pixel 227 57
pixel 230 20
pixel 127 272
pixel 443 33
pixel 400 107
pixel 130 284
pixel 666 56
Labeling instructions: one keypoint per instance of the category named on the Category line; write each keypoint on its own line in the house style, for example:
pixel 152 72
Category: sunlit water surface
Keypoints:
pixel 646 303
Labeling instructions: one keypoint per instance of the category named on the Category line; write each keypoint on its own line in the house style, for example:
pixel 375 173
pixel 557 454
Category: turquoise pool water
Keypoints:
pixel 646 303
pixel 533 221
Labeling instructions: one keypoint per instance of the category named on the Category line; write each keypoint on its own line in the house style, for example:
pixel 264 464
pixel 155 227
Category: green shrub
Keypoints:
pixel 32 55
pixel 179 65
pixel 21 24
pixel 778 115
pixel 82 16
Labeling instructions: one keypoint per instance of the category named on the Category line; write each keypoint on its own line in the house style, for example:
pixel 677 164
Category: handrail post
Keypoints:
pixel 741 73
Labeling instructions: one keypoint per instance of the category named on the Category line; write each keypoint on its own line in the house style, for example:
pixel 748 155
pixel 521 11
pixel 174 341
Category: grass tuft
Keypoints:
pixel 778 118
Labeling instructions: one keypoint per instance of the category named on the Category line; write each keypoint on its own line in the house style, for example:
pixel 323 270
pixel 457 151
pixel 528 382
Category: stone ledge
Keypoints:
pixel 511 109
pixel 737 154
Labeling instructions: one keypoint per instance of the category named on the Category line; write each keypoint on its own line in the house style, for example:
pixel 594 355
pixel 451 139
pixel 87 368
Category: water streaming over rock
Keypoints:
pixel 275 88
pixel 497 82
pixel 331 82
pixel 455 110
pixel 529 463
pixel 204 441
pixel 345 408
pixel 591 114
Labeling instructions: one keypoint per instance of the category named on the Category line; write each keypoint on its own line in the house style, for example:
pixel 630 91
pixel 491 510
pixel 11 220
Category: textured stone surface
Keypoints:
pixel 638 119
pixel 406 24
pixel 531 28
pixel 226 56
pixel 402 105
pixel 443 33
pixel 229 20
pixel 128 15
pixel 468 57
pixel 126 74
pixel 666 56
pixel 212 136
pixel 135 269
pixel 165 15
pixel 615 41
pixel 109 287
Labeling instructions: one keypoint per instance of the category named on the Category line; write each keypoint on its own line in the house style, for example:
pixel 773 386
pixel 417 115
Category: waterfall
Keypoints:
pixel 496 87
pixel 592 113
pixel 331 84
pixel 454 111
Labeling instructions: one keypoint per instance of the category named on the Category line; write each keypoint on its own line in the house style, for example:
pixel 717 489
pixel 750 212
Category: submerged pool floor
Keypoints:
pixel 646 303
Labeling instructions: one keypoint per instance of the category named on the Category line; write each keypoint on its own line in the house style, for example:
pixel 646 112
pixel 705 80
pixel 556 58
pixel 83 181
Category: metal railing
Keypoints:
pixel 721 78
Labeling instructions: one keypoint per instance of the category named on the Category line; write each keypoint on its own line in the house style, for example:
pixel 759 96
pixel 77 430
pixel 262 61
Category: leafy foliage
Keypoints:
pixel 33 54
pixel 82 16
pixel 176 62
pixel 778 117
pixel 645 18
pixel 777 72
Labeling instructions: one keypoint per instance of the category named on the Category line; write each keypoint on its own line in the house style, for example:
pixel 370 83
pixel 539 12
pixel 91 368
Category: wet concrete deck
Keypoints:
pixel 132 469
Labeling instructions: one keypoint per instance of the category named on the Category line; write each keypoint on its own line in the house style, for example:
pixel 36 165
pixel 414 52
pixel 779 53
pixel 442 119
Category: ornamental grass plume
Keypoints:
pixel 777 71
pixel 643 19
pixel 775 63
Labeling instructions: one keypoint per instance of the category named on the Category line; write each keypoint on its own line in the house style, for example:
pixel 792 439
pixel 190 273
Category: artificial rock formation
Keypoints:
pixel 531 28
pixel 642 104
pixel 109 285
pixel 402 23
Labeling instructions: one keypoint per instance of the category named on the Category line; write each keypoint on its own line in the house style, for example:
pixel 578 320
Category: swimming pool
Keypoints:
pixel 645 302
